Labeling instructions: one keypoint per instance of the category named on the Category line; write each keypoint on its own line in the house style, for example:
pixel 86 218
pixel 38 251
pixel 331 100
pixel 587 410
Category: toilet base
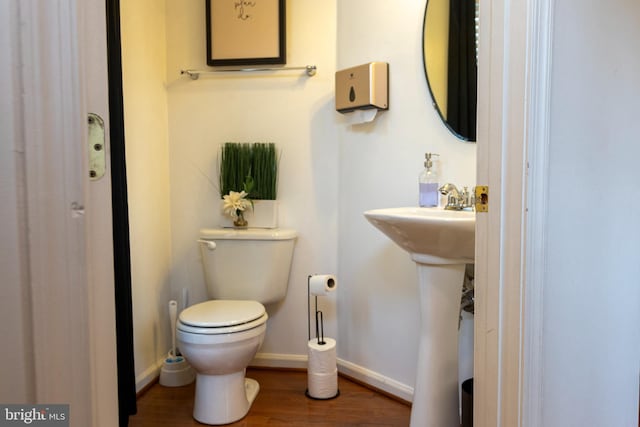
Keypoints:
pixel 223 399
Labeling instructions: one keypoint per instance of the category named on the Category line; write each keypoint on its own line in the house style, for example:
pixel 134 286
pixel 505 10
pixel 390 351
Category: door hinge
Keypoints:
pixel 482 198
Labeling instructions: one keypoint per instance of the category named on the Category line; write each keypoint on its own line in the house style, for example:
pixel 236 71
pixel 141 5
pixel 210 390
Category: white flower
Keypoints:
pixel 234 203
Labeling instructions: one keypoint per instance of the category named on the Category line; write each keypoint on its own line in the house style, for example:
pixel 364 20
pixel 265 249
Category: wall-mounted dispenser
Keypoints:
pixel 363 87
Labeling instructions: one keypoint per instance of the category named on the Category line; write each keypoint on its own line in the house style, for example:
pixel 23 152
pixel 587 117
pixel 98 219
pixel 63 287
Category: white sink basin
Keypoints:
pixel 441 243
pixel 430 235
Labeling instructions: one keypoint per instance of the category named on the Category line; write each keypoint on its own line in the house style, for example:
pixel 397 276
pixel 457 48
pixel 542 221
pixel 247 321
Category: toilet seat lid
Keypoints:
pixel 221 313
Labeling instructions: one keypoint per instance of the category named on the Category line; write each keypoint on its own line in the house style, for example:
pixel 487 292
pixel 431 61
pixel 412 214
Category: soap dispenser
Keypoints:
pixel 428 183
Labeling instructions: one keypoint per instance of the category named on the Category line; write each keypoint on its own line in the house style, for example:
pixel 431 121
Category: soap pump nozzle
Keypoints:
pixel 428 162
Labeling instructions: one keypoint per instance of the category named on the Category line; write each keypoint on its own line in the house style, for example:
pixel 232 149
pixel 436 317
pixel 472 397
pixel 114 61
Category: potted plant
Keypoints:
pixel 248 183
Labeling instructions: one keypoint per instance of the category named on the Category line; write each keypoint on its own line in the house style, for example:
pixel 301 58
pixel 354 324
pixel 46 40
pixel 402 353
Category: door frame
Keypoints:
pixel 513 137
pixel 120 210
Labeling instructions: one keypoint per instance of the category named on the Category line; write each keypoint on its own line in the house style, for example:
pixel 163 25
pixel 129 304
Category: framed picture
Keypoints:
pixel 245 32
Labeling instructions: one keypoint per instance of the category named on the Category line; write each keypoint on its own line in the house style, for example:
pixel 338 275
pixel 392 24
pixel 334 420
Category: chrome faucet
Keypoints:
pixel 457 200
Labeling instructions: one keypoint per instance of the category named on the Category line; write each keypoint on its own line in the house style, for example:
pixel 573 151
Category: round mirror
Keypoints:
pixel 449 48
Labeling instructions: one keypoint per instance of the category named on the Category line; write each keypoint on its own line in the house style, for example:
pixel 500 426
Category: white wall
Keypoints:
pixel 147 157
pixel 591 342
pixel 379 167
pixel 17 368
pixel 288 108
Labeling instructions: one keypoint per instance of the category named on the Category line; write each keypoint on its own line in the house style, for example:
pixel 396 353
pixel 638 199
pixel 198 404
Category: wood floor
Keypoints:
pixel 281 402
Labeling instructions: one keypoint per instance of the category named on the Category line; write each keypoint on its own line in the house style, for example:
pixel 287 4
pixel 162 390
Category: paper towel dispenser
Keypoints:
pixel 363 87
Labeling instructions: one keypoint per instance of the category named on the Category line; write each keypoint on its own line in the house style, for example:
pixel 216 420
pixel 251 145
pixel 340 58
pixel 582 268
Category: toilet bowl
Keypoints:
pixel 243 269
pixel 219 338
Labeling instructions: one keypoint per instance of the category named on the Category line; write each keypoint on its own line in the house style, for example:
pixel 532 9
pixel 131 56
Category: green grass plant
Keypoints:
pixel 235 164
pixel 241 163
pixel 264 171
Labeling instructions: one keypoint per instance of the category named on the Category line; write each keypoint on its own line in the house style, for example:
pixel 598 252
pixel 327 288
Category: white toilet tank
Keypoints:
pixel 247 264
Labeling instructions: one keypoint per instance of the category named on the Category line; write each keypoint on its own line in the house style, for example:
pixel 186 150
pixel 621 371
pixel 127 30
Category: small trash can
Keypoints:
pixel 467 403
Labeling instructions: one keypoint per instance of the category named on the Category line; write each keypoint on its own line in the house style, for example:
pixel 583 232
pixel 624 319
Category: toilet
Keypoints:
pixel 244 270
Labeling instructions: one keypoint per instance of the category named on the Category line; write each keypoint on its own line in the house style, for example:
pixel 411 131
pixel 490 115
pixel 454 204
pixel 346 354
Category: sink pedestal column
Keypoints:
pixel 435 399
pixel 441 242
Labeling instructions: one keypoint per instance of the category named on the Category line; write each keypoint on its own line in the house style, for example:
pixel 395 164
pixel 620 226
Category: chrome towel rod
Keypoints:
pixel 310 70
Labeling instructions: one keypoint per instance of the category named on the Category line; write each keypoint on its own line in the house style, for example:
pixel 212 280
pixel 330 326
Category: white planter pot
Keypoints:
pixel 263 215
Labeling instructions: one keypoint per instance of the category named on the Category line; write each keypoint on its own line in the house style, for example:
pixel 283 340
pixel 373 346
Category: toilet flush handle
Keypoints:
pixel 211 245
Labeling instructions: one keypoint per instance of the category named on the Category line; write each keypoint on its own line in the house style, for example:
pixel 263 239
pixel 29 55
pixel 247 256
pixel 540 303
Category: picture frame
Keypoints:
pixel 246 32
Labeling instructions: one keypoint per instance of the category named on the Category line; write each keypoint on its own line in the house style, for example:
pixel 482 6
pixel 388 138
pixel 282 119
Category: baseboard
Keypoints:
pixel 362 375
pixel 146 388
pixel 267 360
pixel 148 376
pixel 275 360
pixel 376 380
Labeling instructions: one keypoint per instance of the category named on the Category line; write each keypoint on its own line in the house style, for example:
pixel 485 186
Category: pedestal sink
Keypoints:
pixel 441 242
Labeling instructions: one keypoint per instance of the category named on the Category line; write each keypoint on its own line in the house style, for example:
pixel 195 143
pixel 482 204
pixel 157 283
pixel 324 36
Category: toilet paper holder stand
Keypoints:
pixel 318 315
pixel 319 332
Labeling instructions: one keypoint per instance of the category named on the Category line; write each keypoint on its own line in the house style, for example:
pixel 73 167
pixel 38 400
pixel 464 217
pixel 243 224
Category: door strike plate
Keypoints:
pixel 97 157
pixel 482 198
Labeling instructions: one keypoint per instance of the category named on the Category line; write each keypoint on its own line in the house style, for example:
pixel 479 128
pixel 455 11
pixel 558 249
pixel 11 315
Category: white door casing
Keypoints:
pixel 513 109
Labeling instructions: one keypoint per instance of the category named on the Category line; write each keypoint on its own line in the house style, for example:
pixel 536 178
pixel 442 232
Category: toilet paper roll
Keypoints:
pixel 322 284
pixel 322 357
pixel 323 386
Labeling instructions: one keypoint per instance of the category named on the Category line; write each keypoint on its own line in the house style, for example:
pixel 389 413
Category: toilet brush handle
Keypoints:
pixel 173 312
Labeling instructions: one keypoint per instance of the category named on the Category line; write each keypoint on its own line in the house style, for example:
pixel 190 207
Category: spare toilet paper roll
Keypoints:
pixel 322 284
pixel 322 357
pixel 323 386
